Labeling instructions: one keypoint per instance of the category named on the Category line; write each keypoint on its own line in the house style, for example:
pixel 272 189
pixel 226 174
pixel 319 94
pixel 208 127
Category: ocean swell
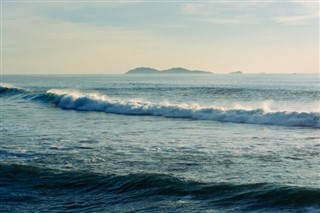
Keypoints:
pixel 74 100
pixel 33 183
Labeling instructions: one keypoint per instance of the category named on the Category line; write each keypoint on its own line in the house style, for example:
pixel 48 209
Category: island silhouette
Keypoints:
pixel 175 70
pixel 236 72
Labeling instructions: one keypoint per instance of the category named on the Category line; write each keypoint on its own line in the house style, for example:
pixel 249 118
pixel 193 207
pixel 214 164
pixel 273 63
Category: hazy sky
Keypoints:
pixel 47 37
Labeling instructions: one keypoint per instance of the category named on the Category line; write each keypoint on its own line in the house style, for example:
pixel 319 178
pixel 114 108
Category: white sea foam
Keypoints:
pixel 71 99
pixel 8 86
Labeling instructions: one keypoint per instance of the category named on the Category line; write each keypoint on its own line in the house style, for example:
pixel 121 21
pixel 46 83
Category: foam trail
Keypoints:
pixel 68 99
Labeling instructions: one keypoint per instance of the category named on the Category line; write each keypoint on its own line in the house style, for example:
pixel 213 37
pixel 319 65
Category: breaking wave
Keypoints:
pixel 74 100
pixel 8 89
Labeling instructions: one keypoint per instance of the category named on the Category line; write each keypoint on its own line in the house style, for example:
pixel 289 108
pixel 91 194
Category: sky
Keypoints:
pixel 112 37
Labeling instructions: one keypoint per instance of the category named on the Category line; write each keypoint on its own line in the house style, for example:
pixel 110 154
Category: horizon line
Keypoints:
pixel 216 73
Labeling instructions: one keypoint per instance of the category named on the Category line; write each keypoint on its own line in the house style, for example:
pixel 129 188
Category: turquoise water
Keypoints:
pixel 117 143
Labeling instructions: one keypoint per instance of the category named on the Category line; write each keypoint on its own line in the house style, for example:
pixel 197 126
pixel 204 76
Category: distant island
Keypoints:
pixel 176 70
pixel 236 72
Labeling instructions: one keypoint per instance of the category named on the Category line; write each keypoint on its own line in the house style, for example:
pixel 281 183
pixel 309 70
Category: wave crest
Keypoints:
pixel 68 99
pixel 8 89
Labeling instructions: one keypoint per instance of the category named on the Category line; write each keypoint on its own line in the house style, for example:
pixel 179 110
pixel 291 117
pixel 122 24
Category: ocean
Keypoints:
pixel 160 143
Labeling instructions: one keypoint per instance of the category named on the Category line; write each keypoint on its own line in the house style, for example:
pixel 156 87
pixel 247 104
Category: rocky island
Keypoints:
pixel 236 72
pixel 176 70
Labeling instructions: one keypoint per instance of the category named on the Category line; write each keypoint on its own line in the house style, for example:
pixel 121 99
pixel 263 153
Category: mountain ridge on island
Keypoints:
pixel 175 70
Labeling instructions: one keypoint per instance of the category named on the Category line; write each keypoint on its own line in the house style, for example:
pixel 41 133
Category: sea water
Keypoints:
pixel 160 143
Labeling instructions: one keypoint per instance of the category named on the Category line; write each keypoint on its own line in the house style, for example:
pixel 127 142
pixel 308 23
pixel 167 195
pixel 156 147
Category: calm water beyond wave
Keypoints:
pixel 139 143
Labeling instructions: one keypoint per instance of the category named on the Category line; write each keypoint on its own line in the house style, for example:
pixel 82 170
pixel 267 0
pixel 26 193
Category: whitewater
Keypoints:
pixel 76 100
pixel 177 143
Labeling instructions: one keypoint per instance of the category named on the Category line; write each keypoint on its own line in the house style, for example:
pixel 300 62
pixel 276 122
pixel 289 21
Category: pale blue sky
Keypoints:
pixel 47 37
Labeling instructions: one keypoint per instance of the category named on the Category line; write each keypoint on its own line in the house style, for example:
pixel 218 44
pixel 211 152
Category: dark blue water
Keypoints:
pixel 223 143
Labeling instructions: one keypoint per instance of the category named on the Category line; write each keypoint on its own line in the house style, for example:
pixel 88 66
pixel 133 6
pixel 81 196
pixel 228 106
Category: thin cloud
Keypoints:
pixel 193 9
pixel 223 12
pixel 215 7
pixel 227 21
pixel 296 20
pixel 285 13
